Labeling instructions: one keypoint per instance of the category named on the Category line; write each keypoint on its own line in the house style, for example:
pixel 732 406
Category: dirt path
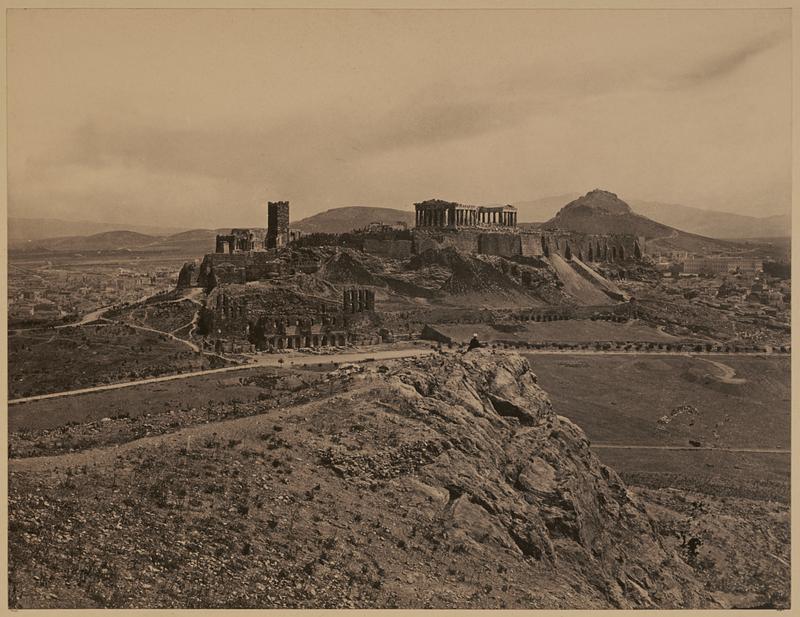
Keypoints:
pixel 611 446
pixel 271 361
pixel 728 372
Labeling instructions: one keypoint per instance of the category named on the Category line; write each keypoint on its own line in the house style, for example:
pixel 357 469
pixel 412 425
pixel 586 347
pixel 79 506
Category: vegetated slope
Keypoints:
pixel 342 220
pixel 446 481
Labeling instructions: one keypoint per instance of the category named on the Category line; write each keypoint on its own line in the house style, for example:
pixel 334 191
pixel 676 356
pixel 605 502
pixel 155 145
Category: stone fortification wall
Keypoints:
pixel 531 244
pixel 392 249
pixel 225 268
pixel 463 240
pixel 500 244
pixel 587 247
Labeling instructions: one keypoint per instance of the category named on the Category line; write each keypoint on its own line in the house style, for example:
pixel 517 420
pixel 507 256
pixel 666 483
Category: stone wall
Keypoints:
pixel 464 241
pixel 500 244
pixel 531 244
pixel 392 249
pixel 221 268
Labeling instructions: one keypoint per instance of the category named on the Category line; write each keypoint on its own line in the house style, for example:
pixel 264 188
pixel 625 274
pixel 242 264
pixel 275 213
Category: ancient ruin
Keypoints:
pixel 240 241
pixel 439 213
pixel 493 230
pixel 277 224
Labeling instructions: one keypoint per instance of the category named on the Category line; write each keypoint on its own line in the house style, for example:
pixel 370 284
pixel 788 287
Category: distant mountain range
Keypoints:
pixel 342 220
pixel 656 219
pixel 22 230
pixel 195 242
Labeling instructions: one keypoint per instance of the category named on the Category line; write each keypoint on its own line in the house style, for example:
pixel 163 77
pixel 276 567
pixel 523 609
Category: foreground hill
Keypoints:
pixel 446 481
pixel 342 220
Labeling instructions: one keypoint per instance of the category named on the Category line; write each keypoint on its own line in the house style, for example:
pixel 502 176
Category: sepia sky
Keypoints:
pixel 197 118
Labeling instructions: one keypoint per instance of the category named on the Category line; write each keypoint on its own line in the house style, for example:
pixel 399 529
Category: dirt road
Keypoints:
pixel 603 446
pixel 271 361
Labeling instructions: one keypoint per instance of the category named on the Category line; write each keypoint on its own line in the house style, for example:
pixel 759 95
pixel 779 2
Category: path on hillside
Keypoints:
pixel 728 373
pixel 613 446
pixel 272 361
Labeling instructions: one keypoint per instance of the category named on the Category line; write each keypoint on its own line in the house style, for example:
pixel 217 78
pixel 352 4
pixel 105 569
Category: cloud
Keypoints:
pixel 727 63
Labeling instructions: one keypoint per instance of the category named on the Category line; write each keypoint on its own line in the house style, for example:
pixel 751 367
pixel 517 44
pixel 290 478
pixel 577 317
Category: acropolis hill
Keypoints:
pixel 276 287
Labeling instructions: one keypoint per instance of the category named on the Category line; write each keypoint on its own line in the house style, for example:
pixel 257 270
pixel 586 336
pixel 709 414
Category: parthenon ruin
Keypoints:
pixel 439 213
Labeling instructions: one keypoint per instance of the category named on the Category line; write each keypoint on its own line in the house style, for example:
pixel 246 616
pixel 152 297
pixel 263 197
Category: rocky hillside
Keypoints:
pixel 603 212
pixel 445 481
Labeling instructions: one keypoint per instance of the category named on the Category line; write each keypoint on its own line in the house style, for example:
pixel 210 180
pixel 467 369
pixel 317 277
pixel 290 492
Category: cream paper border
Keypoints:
pixel 793 5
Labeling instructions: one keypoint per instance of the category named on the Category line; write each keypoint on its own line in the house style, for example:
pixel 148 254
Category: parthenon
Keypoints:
pixel 439 213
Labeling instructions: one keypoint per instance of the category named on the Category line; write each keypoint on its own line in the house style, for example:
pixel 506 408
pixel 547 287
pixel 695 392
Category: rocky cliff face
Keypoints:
pixel 515 478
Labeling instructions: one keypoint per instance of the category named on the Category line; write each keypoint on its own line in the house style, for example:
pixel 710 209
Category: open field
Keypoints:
pixel 245 386
pixel 760 476
pixel 619 399
pixel 71 358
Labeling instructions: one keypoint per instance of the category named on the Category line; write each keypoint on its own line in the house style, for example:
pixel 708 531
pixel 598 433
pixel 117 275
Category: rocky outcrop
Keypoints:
pixel 520 478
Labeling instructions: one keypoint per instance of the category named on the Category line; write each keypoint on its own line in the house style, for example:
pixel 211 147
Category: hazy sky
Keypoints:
pixel 197 118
